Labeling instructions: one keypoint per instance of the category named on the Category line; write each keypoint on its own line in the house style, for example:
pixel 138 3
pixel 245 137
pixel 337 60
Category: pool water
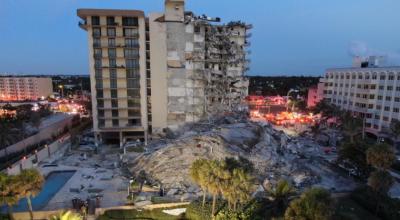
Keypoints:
pixel 54 182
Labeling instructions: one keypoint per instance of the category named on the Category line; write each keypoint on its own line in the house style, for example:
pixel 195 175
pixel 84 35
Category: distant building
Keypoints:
pixel 24 88
pixel 370 92
pixel 315 95
pixel 158 72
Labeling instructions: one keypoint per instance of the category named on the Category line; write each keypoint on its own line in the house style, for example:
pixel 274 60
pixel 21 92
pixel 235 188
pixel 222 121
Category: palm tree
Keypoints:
pixel 215 181
pixel 31 183
pixel 9 192
pixel 380 181
pixel 67 216
pixel 198 172
pixel 315 204
pixel 395 129
pixel 281 193
pixel 381 156
pixel 242 184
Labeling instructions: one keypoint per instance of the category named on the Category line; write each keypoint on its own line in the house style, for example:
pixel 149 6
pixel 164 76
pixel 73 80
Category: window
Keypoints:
pixel 96 32
pixel 132 43
pixel 396 110
pixel 113 83
pixel 130 21
pixel 134 122
pixel 371 96
pixel 132 73
pixel 99 83
pixel 96 42
pixel 101 123
pixel 378 107
pixel 99 93
pixel 396 99
pixel 389 88
pixel 131 53
pixel 100 113
pixel 132 93
pixel 374 76
pixel 130 63
pixel 398 88
pixel 197 29
pixel 381 87
pixel 373 86
pixel 115 122
pixel 114 113
pixel 370 106
pixel 131 32
pixel 100 103
pixel 383 77
pixel 114 93
pixel 134 113
pixel 385 118
pixel 377 117
pixel 98 73
pixel 111 42
pixel 97 63
pixel 387 108
pixel 112 53
pixel 133 102
pixel 114 103
pixel 113 73
pixel 113 63
pixel 97 53
pixel 133 83
pixel 95 20
pixel 391 77
pixel 380 97
pixel 388 98
pixel 111 21
pixel 111 32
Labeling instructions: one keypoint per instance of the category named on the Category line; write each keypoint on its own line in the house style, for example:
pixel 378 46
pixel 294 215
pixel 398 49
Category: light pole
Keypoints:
pixel 62 90
pixel 287 101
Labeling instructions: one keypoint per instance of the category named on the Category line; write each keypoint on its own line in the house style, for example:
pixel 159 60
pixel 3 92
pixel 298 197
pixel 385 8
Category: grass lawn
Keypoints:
pixel 348 209
pixel 155 214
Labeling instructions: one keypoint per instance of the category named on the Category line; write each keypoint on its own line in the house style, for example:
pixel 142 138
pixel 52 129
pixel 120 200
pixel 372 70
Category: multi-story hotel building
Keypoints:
pixel 25 88
pixel 371 92
pixel 149 74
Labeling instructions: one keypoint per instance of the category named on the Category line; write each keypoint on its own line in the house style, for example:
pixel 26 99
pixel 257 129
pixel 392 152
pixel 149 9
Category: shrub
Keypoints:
pixel 196 212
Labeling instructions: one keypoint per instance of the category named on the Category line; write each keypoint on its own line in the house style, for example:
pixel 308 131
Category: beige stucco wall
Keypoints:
pixel 158 54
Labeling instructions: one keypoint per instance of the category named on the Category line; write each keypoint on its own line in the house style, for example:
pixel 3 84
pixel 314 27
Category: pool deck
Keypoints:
pixel 96 173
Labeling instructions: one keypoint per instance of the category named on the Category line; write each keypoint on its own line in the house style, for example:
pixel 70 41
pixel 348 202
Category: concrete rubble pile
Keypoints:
pixel 271 152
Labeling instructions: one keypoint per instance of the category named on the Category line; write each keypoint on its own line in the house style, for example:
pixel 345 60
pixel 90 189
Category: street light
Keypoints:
pixel 287 102
pixel 62 90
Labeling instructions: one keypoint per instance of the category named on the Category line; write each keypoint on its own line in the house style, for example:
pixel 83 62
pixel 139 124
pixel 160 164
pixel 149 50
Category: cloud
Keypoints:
pixel 361 49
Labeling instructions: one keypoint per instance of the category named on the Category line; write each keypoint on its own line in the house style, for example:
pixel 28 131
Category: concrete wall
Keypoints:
pixel 158 55
pixel 41 155
pixel 45 133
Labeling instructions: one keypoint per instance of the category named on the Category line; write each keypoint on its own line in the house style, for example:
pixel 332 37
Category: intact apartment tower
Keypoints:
pixel 154 73
pixel 25 88
pixel 371 92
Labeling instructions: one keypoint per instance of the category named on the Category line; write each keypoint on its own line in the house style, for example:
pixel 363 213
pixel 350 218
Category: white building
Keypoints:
pixel 24 88
pixel 372 92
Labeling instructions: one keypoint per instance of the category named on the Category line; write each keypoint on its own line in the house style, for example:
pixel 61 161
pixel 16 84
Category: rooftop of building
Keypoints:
pixel 397 68
pixel 85 12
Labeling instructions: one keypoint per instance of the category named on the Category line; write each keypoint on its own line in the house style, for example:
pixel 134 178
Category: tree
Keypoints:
pixel 215 179
pixel 395 129
pixel 313 204
pixel 198 172
pixel 67 216
pixel 351 125
pixel 281 193
pixel 31 183
pixel 380 181
pixel 8 135
pixel 35 119
pixel 9 192
pixel 355 154
pixel 381 156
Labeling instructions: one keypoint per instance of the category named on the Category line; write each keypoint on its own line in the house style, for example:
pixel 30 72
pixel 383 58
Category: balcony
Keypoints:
pixel 83 25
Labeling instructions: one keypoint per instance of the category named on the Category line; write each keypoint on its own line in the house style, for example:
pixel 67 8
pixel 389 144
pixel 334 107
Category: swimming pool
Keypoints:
pixel 54 182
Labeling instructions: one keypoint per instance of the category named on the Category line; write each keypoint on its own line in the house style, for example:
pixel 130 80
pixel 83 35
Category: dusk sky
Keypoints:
pixel 290 37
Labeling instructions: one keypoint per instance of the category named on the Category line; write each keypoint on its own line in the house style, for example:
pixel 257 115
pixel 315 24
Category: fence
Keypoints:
pixel 44 134
pixel 32 160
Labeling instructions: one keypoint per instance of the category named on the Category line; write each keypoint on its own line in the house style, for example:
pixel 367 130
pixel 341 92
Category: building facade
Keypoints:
pixel 25 88
pixel 315 95
pixel 174 67
pixel 371 93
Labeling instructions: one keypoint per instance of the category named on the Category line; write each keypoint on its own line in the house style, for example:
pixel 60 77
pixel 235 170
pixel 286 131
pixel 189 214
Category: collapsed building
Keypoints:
pixel 151 74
